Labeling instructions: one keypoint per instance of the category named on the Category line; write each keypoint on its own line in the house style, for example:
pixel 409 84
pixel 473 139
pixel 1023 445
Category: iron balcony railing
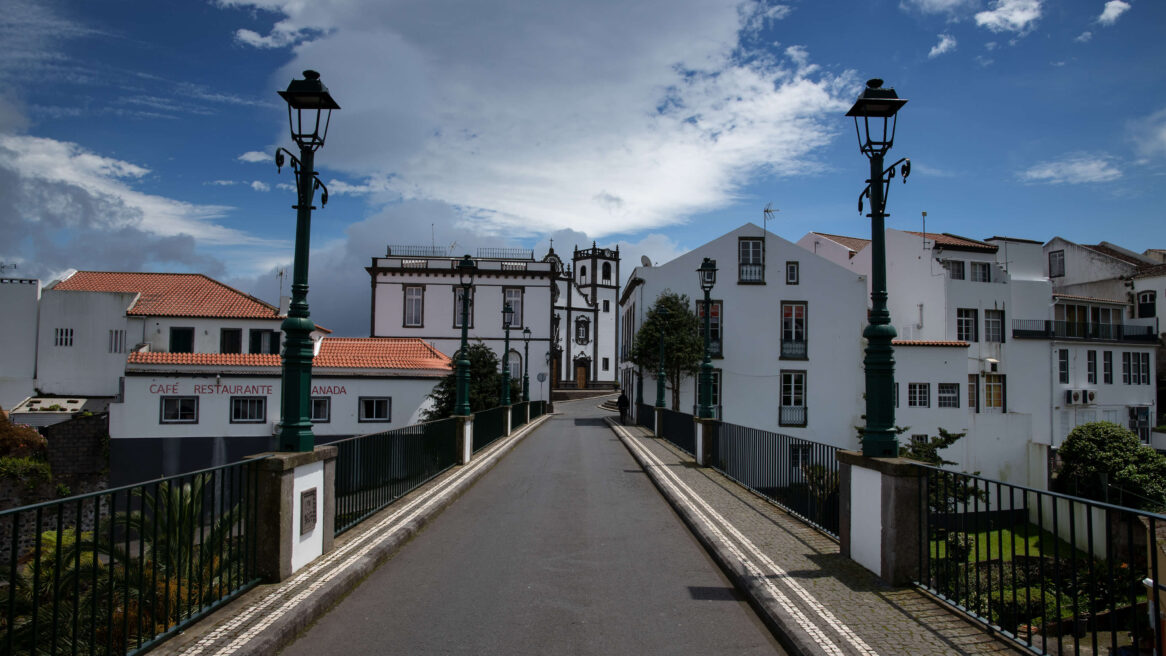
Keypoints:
pixel 793 349
pixel 679 429
pixel 506 253
pixel 417 251
pixel 798 475
pixel 489 425
pixel 793 415
pixel 751 273
pixel 118 571
pixel 1046 329
pixel 646 416
pixel 375 470
pixel 1055 573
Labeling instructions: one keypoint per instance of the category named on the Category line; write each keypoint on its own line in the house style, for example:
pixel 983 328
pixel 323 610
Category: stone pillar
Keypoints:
pixel 509 415
pixel 527 413
pixel 703 449
pixel 465 439
pixel 659 430
pixel 295 508
pixel 879 521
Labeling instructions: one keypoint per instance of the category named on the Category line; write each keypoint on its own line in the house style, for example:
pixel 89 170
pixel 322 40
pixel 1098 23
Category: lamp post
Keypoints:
pixel 708 278
pixel 309 98
pixel 507 318
pixel 879 439
pixel 662 314
pixel 466 269
pixel 526 364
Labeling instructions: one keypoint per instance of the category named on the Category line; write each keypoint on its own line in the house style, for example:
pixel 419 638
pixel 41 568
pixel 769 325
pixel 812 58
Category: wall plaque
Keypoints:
pixel 307 511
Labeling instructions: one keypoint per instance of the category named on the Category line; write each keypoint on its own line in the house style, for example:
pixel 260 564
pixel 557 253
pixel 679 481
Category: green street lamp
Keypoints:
pixel 466 269
pixel 708 278
pixel 662 316
pixel 309 98
pixel 526 364
pixel 879 439
pixel 507 319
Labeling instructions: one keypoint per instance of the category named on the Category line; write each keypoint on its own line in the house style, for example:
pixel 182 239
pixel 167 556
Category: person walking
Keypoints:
pixel 623 407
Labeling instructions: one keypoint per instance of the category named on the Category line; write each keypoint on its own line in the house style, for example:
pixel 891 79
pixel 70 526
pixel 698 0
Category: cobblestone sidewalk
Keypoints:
pixel 816 600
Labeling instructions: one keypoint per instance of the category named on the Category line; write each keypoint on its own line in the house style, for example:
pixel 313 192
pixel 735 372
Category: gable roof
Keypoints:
pixel 855 244
pixel 335 353
pixel 955 242
pixel 1151 271
pixel 173 294
pixel 1107 249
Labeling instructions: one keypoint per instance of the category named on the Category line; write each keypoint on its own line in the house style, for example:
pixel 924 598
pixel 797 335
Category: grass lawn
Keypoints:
pixel 1023 540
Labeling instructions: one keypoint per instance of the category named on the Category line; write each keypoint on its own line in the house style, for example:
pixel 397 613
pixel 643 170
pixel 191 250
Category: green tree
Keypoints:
pixel 683 343
pixel 485 384
pixel 1102 452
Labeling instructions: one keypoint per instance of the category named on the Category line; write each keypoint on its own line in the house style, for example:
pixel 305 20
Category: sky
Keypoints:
pixel 139 135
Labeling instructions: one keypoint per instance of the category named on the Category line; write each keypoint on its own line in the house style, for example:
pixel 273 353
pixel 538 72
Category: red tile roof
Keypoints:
pixel 173 294
pixel 948 240
pixel 1115 254
pixel 855 244
pixel 335 353
pixel 1094 299
pixel 928 342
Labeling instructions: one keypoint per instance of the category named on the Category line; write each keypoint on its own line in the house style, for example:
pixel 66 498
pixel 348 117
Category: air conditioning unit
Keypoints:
pixel 275 428
pixel 1073 397
pixel 1088 397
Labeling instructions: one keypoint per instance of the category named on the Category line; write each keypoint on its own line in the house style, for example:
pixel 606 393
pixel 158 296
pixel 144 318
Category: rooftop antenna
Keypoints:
pixel 924 229
pixel 452 246
pixel 281 275
pixel 766 214
pixel 432 238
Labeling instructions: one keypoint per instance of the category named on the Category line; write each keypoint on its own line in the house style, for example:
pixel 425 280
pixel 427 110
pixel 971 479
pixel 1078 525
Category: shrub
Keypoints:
pixel 27 470
pixel 1103 449
pixel 20 441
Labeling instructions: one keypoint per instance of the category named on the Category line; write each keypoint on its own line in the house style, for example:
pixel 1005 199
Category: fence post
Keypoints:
pixel 465 438
pixel 879 520
pixel 295 510
pixel 702 450
pixel 509 414
pixel 658 430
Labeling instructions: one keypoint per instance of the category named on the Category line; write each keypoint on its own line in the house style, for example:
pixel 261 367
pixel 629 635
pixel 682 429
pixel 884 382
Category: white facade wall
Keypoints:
pixel 1087 272
pixel 18 334
pixel 82 362
pixel 584 293
pixel 751 365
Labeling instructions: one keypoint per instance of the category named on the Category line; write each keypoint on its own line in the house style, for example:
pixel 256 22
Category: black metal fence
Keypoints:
pixel 1042 328
pixel 1055 573
pixel 489 425
pixel 646 416
pixel 679 429
pixel 117 571
pixel 374 470
pixel 537 409
pixel 799 475
pixel 518 415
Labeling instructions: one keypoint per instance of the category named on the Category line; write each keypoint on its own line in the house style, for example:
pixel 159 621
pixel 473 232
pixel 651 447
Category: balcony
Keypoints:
pixel 792 415
pixel 751 273
pixel 793 349
pixel 1113 332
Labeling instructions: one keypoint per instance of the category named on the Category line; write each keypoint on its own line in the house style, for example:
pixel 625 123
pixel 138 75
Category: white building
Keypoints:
pixel 786 335
pixel 585 327
pixel 19 298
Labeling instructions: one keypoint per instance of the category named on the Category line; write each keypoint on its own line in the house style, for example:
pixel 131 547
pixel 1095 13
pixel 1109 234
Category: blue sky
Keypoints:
pixel 138 135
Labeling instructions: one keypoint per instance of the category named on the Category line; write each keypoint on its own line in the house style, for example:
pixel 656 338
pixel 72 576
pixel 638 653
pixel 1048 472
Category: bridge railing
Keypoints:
pixel 646 416
pixel 679 429
pixel 537 409
pixel 374 470
pixel 489 425
pixel 1052 572
pixel 117 571
pixel 518 414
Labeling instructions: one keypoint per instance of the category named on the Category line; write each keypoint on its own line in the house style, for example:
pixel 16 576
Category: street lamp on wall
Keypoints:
pixel 308 99
pixel 875 119
pixel 708 278
pixel 507 320
pixel 466 270
pixel 526 364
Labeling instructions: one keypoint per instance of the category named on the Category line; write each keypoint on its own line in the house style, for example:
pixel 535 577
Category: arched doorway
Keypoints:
pixel 582 371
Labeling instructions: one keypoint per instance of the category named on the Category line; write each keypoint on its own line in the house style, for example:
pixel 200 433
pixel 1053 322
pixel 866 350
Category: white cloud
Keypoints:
pixel 256 156
pixel 946 44
pixel 1010 16
pixel 260 186
pixel 223 183
pixel 660 116
pixel 1113 9
pixel 1084 37
pixel 938 6
pixel 1074 169
pixel 1149 134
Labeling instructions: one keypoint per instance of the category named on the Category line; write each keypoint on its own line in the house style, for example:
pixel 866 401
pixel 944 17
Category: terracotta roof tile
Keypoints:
pixel 948 240
pixel 1115 254
pixel 855 244
pixel 173 294
pixel 1151 271
pixel 928 342
pixel 335 353
pixel 1074 297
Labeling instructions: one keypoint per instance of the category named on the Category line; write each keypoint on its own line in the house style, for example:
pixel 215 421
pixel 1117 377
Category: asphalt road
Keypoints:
pixel 564 548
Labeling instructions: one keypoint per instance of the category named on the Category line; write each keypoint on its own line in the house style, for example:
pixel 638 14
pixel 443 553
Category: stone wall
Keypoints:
pixel 79 446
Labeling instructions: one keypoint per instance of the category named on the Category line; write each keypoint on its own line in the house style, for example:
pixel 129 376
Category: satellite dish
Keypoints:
pixel 645 261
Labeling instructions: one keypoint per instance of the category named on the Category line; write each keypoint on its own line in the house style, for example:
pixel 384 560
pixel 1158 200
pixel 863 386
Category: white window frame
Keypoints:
pixel 799 455
pixel 176 403
pixel 248 409
pixel 1063 376
pixel 793 395
pixel 967 319
pixel 981 272
pixel 320 418
pixel 1057 264
pixel 955 269
pixel 792 273
pixel 513 296
pixel 1091 367
pixel 716 327
pixel 413 315
pixel 751 253
pixel 994 391
pixel 994 326
pixel 918 395
pixel 457 306
pixel 514 360
pixel 947 395
pixel 366 403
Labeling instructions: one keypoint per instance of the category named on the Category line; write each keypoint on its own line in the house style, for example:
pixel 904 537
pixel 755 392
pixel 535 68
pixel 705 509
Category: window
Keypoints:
pixel 966 325
pixel 973 388
pixel 793 399
pixel 994 391
pixel 793 331
pixel 63 337
pixel 751 261
pixel 715 394
pixel 948 395
pixel 248 409
pixel 414 306
pixel 1125 369
pixel 955 269
pixel 981 272
pixel 607 306
pixel 1056 264
pixel 1144 368
pixel 182 340
pixel 919 439
pixel 515 362
pixel 1063 366
pixel 1107 367
pixel 919 395
pixel 1091 367
pixel 583 273
pixel 1140 423
pixel 606 279
pixel 264 341
pixel 179 410
pixel 117 341
pixel 582 330
pixel 791 273
pixel 993 325
pixel 375 408
pixel 513 296
pixel 1146 306
pixel 458 293
pixel 321 409
pixel 231 340
pixel 896 388
pixel 606 364
pixel 799 455
pixel 716 341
